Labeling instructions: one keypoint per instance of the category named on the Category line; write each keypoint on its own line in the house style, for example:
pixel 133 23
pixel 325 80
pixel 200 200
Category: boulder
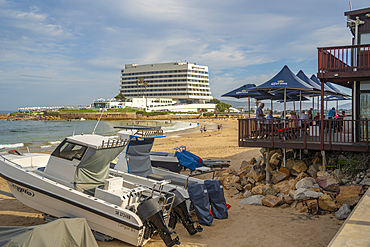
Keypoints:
pixel 228 180
pixel 278 177
pixel 338 174
pixel 301 176
pixel 299 166
pixel 327 203
pixel 329 183
pixel 322 174
pixel 301 207
pixel 271 201
pixel 247 194
pixel 274 152
pixel 304 194
pixel 306 183
pixel 287 199
pixel 317 161
pixel 247 187
pixel 252 161
pixel 253 200
pixel 284 170
pixel 285 186
pixel 269 189
pixel 237 186
pixel 313 206
pixel 258 190
pixel 232 191
pixel 313 169
pixel 289 163
pixel 349 194
pixel 343 212
pixel 365 181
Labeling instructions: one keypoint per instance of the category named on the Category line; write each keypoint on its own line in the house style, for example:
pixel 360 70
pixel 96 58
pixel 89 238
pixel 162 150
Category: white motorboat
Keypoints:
pixel 134 164
pixel 74 181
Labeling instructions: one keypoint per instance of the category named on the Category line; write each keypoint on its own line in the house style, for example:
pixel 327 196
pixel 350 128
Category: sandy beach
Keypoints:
pixel 246 226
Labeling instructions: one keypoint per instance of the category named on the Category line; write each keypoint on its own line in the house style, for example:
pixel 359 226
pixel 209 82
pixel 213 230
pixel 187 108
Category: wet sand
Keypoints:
pixel 246 225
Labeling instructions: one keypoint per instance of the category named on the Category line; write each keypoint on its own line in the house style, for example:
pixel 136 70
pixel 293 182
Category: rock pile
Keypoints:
pixel 301 184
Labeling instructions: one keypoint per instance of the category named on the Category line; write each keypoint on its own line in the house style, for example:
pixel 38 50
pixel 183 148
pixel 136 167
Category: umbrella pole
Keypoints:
pixel 284 108
pixel 249 105
pixel 293 105
pixel 337 106
pixel 313 104
pixel 300 101
pixel 271 104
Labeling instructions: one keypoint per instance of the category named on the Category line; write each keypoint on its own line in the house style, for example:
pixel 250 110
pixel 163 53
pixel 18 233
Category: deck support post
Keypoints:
pixel 268 166
pixel 300 154
pixel 284 156
pixel 323 160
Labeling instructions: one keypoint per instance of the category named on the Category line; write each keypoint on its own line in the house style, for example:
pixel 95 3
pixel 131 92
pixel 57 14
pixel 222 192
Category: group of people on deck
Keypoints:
pixel 293 115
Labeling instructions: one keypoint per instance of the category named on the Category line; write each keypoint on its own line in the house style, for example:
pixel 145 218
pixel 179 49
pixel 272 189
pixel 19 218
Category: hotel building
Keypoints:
pixel 180 81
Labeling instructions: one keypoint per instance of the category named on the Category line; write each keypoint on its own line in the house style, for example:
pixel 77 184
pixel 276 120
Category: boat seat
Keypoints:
pixel 174 180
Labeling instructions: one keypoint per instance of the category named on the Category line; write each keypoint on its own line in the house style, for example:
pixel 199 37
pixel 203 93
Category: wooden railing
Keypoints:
pixel 343 58
pixel 338 134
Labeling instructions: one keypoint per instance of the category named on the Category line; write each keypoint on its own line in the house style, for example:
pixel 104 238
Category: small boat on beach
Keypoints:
pixel 134 164
pixel 74 181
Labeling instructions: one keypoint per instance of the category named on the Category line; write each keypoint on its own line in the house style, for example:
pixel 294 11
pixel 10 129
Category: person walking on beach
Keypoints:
pixel 205 129
pixel 201 129
pixel 218 127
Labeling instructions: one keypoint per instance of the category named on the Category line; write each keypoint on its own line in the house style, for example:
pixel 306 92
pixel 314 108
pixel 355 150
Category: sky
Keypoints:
pixel 68 53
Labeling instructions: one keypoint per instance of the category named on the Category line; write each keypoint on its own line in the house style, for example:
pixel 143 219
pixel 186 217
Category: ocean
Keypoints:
pixel 45 135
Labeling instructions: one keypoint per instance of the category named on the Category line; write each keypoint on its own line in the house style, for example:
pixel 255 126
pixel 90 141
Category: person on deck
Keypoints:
pixel 269 116
pixel 259 112
pixel 332 113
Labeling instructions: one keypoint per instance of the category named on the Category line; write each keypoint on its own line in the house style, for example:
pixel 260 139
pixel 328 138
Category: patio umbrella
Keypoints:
pixel 243 92
pixel 335 98
pixel 317 88
pixel 284 82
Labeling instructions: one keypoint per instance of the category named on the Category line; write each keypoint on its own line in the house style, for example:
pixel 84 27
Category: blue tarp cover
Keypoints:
pixel 189 160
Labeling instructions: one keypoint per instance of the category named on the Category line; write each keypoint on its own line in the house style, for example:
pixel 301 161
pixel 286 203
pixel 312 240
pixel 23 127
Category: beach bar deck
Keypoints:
pixel 334 134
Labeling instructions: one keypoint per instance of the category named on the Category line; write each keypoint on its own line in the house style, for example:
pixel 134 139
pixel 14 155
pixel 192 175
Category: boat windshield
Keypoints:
pixel 69 151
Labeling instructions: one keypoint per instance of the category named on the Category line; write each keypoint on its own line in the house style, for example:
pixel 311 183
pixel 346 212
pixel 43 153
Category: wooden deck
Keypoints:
pixel 338 135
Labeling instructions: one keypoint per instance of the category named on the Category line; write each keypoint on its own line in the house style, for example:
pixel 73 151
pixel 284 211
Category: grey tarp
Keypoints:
pixel 138 155
pixel 93 169
pixel 216 196
pixel 199 196
pixel 62 232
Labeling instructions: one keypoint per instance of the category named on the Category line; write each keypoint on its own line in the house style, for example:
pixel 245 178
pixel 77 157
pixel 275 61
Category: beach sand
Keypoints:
pixel 246 226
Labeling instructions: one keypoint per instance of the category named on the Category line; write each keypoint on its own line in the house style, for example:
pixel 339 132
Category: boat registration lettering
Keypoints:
pixel 23 190
pixel 122 214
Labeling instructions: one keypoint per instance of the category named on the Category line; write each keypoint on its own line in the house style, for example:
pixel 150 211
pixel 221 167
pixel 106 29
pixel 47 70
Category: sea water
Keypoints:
pixel 48 134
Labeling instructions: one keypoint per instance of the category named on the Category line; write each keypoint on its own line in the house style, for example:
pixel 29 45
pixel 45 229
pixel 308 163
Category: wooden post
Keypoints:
pixel 268 166
pixel 322 117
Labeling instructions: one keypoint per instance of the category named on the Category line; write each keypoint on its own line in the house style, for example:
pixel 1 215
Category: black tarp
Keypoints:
pixel 199 196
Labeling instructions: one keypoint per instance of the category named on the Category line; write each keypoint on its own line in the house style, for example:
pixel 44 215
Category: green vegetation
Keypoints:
pixel 208 114
pixel 120 97
pixel 222 107
pixel 351 167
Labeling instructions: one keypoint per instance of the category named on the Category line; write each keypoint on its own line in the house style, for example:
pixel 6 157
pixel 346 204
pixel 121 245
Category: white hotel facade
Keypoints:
pixel 182 82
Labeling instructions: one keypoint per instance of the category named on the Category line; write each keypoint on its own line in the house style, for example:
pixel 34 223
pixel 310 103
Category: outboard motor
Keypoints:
pixel 180 213
pixel 150 212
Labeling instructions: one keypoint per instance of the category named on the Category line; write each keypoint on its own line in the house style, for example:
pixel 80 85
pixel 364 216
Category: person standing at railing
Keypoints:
pixel 259 112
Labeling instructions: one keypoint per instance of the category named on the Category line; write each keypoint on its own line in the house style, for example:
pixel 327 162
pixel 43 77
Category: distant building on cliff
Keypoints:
pixel 182 82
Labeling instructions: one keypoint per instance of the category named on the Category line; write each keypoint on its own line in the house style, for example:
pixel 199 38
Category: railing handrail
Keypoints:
pixel 304 132
pixel 343 47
